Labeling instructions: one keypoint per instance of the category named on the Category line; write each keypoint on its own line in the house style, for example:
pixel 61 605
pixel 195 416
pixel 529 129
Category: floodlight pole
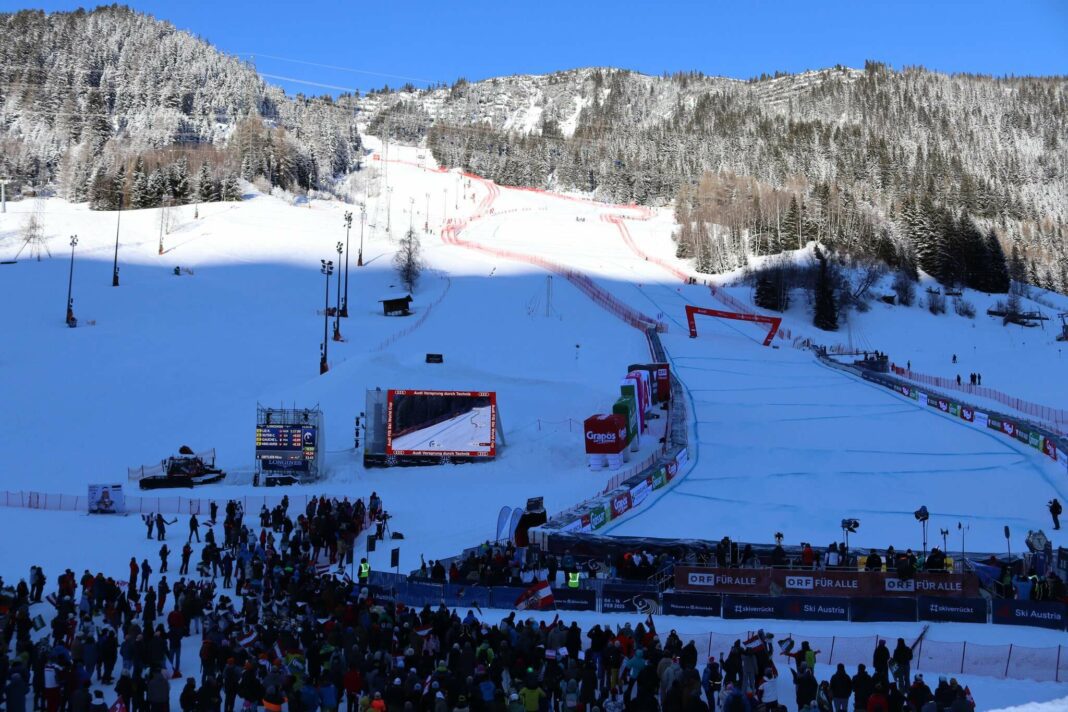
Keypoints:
pixel 359 257
pixel 70 282
pixel 337 311
pixel 348 225
pixel 115 267
pixel 327 269
pixel 923 524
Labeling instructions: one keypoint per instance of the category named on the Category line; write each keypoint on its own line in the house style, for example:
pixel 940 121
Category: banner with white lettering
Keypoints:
pixel 813 608
pixel 691 604
pixel 1044 614
pixel 822 583
pixel 957 610
pixel 750 607
pixel 802 582
pixel 575 599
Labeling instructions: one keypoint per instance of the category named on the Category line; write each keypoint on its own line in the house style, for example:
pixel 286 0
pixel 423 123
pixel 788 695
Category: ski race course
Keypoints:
pixel 541 298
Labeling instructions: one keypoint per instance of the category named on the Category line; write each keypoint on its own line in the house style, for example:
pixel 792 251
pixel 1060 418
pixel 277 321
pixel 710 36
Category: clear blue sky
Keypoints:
pixel 446 39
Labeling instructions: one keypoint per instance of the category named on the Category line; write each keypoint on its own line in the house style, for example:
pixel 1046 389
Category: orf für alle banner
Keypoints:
pixel 106 499
pixel 823 583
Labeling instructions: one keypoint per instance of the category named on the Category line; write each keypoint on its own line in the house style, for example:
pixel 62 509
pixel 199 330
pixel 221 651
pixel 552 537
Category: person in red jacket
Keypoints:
pixel 352 681
pixel 877 702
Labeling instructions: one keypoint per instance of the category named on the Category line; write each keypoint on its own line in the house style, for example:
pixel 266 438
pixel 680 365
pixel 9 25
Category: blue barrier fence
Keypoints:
pixel 601 596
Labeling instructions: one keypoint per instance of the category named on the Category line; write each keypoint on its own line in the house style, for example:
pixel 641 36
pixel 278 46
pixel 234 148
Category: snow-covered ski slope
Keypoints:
pixel 184 360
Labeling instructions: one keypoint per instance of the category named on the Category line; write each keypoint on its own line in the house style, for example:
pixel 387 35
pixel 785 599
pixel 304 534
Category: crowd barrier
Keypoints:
pixel 135 504
pixel 628 472
pixel 1056 418
pixel 940 657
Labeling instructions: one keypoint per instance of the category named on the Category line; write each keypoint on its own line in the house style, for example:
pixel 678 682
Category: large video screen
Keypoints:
pixel 446 423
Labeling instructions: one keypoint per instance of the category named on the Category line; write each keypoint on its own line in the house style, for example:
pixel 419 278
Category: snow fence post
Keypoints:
pixel 963 650
pixel 1008 658
pixel 830 658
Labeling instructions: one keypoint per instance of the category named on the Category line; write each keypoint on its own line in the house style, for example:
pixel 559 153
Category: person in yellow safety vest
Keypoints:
pixel 365 571
pixel 573 579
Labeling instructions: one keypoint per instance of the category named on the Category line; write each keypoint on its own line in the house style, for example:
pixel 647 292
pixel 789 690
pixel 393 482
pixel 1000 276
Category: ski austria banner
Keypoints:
pixel 960 610
pixel 691 604
pixel 823 583
pixel 814 608
pixel 1046 614
pixel 106 499
pixel 868 610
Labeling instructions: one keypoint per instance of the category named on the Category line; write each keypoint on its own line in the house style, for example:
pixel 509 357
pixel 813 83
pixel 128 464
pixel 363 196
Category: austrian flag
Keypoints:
pixel 538 596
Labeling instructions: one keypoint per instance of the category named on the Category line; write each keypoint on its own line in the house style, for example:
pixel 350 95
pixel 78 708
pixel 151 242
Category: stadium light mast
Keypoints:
pixel 70 282
pixel 115 266
pixel 363 220
pixel 327 270
pixel 337 310
pixel 389 209
pixel 348 226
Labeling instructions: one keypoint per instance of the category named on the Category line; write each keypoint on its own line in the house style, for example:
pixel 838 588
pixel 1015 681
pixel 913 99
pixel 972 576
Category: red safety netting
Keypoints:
pixel 986 660
pixel 1055 417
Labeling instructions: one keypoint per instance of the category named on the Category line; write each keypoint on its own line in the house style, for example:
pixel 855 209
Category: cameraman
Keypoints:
pixel 380 524
pixel 1055 510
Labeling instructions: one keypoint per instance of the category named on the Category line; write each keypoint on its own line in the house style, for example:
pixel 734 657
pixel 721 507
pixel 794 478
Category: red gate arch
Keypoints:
pixel 772 321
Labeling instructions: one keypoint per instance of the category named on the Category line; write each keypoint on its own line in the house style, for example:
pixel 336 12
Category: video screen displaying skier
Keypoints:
pixel 459 423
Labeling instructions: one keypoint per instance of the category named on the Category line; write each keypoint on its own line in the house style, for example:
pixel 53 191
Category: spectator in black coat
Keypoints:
pixel 841 689
pixel 880 661
pixel 919 693
pixel 806 686
pixel 902 662
pixel 862 688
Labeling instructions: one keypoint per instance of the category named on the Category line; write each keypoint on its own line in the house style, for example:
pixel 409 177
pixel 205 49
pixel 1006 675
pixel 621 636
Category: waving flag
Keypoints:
pixel 539 596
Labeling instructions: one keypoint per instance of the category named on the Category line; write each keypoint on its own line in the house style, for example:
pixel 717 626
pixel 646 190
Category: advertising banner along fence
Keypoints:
pixel 823 583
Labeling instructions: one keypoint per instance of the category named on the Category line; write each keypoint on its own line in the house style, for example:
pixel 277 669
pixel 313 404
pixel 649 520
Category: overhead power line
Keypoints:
pixel 336 67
